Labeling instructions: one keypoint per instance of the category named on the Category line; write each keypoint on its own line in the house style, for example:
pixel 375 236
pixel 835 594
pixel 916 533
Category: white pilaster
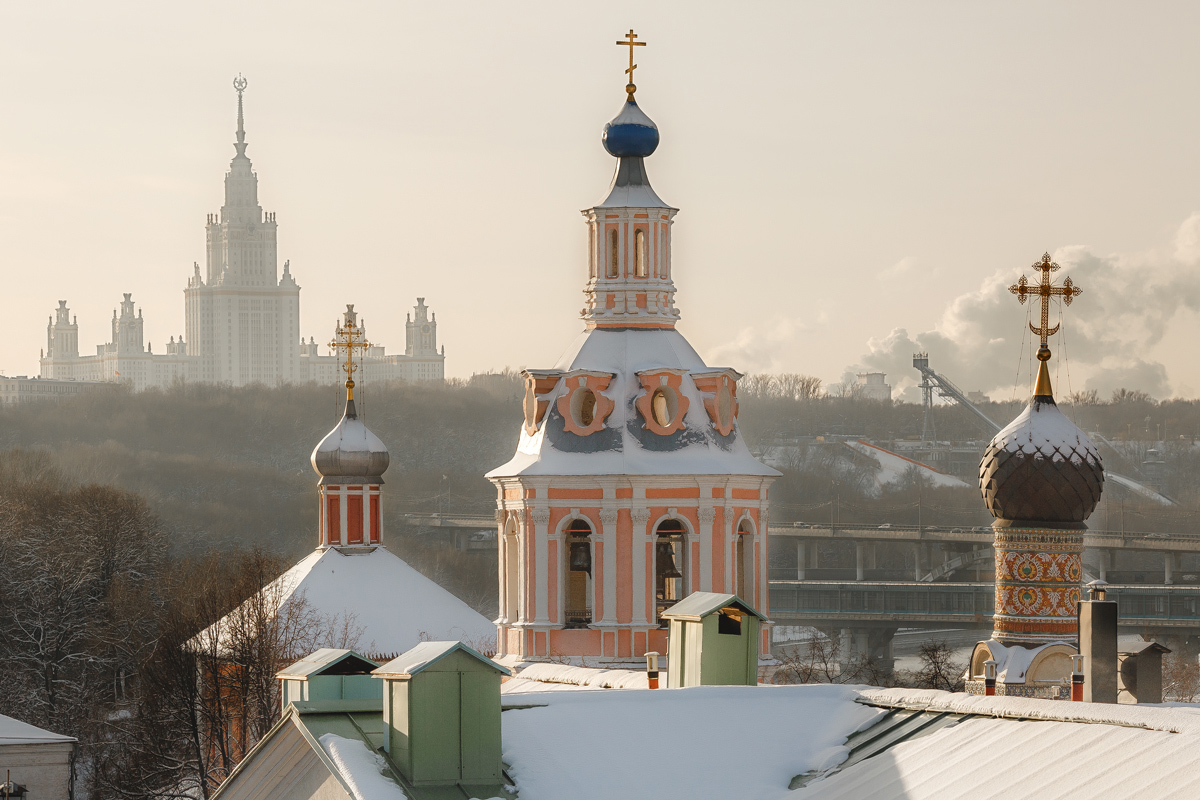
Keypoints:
pixel 641 518
pixel 608 517
pixel 541 565
pixel 706 515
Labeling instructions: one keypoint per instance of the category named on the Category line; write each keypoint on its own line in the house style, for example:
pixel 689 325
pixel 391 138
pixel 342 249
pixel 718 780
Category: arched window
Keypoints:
pixel 577 550
pixel 512 572
pixel 743 561
pixel 670 562
pixel 614 254
pixel 639 253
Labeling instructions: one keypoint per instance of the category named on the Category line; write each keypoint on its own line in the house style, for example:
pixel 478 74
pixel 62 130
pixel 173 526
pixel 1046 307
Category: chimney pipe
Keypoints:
pixel 989 677
pixel 652 669
pixel 1098 645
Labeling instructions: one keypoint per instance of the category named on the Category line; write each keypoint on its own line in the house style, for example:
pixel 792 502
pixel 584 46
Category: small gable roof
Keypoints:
pixel 1132 648
pixel 425 655
pixel 324 660
pixel 698 605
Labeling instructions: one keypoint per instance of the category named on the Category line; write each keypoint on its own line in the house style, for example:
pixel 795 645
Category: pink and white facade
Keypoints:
pixel 631 486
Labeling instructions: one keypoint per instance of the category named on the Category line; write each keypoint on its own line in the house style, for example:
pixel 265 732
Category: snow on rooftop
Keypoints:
pixel 1037 754
pixel 727 742
pixel 395 606
pixel 624 447
pixel 1158 718
pixel 555 676
pixel 1042 428
pixel 894 467
pixel 362 770
pixel 13 731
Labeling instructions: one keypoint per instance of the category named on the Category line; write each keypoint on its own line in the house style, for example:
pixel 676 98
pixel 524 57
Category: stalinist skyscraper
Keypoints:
pixel 242 316
pixel 243 320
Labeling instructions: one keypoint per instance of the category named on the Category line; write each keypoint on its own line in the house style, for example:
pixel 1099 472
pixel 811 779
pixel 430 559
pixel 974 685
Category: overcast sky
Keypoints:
pixel 856 180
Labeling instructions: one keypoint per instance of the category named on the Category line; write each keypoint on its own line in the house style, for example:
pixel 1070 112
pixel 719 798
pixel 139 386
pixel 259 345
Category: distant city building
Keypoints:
pixel 23 389
pixel 241 317
pixel 871 386
pixel 978 397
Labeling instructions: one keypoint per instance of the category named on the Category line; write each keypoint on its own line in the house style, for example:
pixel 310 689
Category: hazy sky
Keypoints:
pixel 856 180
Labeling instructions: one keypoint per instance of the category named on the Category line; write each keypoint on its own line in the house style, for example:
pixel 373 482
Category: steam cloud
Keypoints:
pixel 1130 301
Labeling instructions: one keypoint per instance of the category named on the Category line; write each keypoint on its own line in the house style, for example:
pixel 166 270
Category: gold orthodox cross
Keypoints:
pixel 630 43
pixel 350 337
pixel 1045 290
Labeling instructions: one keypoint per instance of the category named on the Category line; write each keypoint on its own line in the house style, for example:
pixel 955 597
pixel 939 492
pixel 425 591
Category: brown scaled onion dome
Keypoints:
pixel 1041 468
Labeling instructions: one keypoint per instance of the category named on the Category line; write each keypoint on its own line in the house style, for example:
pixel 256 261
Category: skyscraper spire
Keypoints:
pixel 239 83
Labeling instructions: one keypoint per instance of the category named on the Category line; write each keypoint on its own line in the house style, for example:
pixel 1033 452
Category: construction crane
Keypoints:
pixel 931 382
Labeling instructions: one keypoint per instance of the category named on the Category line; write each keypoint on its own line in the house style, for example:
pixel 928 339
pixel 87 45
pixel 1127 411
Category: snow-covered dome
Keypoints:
pixel 350 450
pixel 1041 467
pixel 630 133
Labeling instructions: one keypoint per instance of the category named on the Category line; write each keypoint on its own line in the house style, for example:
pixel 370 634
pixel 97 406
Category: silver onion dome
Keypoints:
pixel 350 450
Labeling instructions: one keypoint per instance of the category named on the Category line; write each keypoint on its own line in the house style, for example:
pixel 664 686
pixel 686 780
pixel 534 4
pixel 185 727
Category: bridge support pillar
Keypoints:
pixel 801 558
pixel 1170 566
pixel 920 559
pixel 1105 563
pixel 859 549
pixel 868 644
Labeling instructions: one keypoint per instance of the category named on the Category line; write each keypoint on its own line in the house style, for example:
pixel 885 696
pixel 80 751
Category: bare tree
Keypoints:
pixel 939 669
pixel 1181 677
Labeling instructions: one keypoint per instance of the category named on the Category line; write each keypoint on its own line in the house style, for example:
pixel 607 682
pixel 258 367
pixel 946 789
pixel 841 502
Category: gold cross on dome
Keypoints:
pixel 630 43
pixel 1045 290
pixel 350 337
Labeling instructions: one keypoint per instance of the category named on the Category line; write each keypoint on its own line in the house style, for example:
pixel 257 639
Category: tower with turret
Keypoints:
pixel 243 317
pixel 631 486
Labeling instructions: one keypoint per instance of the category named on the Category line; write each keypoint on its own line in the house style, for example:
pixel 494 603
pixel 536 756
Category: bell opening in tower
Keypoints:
pixel 577 611
pixel 669 550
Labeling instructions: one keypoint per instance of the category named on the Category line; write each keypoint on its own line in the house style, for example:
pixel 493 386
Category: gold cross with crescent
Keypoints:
pixel 1045 290
pixel 630 43
pixel 350 337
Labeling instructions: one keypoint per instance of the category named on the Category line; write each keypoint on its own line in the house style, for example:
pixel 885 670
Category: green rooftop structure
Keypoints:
pixel 329 674
pixel 712 641
pixel 441 706
pixel 428 730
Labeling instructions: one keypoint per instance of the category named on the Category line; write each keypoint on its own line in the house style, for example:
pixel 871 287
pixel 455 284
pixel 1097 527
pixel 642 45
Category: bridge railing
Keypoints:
pixel 820 598
pixel 1174 606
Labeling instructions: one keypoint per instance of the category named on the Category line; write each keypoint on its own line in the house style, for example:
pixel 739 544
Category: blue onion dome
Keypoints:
pixel 631 133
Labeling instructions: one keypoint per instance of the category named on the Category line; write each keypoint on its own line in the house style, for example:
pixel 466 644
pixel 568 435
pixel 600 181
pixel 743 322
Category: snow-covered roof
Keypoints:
pixel 894 466
pixel 426 654
pixel 13 731
pixel 624 446
pixel 370 588
pixel 1025 747
pixel 722 742
pixel 698 605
